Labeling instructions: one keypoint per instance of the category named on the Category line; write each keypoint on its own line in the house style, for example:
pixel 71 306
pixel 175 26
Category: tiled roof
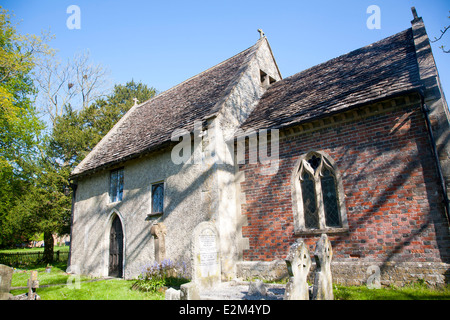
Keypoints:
pixel 374 72
pixel 150 124
pixel 377 71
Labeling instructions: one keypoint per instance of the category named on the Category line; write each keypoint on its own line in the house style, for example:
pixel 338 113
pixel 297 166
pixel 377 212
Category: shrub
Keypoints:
pixel 155 276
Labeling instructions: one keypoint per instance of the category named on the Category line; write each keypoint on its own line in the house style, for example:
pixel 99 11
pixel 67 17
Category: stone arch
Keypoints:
pixel 300 166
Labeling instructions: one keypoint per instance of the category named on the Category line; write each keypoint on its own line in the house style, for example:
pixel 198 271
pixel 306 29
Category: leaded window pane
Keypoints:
pixel 157 198
pixel 309 201
pixel 116 185
pixel 330 199
pixel 120 184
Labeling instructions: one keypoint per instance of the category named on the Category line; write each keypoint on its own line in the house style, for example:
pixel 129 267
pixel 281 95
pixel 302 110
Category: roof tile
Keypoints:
pixel 379 70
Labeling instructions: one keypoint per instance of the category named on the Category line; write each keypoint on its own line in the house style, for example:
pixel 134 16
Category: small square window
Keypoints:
pixel 157 198
pixel 116 185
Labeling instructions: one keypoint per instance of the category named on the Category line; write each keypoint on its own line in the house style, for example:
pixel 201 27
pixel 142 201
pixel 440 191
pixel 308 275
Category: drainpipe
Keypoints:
pixel 426 110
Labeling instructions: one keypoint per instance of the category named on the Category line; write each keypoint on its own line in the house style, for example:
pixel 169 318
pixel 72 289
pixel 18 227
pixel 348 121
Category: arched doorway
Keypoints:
pixel 116 249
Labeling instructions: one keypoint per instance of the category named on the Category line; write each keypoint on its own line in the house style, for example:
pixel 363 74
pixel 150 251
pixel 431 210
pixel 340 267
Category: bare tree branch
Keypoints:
pixel 440 37
pixel 442 33
pixel 78 82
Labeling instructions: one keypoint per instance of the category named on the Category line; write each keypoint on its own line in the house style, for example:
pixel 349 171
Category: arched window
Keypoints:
pixel 318 195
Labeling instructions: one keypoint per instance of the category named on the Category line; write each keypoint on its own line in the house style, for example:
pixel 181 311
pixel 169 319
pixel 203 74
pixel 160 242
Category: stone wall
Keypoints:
pixel 355 272
pixel 93 214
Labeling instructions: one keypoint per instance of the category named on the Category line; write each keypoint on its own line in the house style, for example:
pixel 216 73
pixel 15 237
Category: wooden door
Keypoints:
pixel 116 249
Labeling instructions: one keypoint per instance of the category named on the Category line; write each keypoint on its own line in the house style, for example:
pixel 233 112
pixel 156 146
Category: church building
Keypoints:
pixel 356 147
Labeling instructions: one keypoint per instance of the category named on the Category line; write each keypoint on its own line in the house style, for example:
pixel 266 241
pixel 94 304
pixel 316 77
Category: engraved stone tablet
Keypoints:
pixel 206 270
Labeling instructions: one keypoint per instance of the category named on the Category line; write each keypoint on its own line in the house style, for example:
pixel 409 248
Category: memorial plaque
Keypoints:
pixel 205 255
pixel 208 255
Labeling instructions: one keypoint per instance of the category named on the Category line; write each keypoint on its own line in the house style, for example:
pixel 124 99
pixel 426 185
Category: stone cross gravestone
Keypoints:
pixel 323 284
pixel 206 270
pixel 6 274
pixel 159 231
pixel 298 262
pixel 32 284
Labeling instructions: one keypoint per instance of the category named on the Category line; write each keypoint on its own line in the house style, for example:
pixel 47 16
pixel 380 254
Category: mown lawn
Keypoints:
pixel 410 292
pixel 22 250
pixel 56 276
pixel 89 288
pixel 113 289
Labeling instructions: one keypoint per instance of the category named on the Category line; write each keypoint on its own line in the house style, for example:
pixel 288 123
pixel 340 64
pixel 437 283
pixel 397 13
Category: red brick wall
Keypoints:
pixel 391 191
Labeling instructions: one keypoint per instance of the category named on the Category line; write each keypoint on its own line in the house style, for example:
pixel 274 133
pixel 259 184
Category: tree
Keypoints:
pixel 78 82
pixel 75 133
pixel 44 208
pixel 20 127
pixel 35 165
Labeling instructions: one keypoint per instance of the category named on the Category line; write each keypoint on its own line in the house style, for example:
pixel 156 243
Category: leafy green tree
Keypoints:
pixel 44 208
pixel 20 127
pixel 34 168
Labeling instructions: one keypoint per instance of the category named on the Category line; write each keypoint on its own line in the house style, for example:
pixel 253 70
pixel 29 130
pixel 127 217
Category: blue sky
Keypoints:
pixel 162 43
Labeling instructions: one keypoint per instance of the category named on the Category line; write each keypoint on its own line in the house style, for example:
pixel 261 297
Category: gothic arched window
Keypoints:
pixel 318 195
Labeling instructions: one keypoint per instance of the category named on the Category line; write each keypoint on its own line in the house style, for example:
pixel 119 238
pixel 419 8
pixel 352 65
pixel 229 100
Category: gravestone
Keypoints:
pixel 6 274
pixel 33 284
pixel 159 230
pixel 323 284
pixel 298 263
pixel 205 255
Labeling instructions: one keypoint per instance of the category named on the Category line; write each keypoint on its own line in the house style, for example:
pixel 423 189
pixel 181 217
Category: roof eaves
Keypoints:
pixel 416 89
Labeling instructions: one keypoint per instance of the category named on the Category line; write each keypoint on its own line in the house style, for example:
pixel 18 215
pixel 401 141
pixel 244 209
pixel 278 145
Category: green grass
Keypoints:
pixel 56 276
pixel 114 289
pixel 41 249
pixel 415 291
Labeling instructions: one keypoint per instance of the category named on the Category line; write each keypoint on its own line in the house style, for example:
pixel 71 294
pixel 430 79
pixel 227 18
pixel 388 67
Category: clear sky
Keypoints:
pixel 163 43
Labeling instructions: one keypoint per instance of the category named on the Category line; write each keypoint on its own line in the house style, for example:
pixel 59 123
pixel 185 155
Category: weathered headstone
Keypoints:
pixel 33 284
pixel 206 271
pixel 6 274
pixel 298 263
pixel 323 284
pixel 158 230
